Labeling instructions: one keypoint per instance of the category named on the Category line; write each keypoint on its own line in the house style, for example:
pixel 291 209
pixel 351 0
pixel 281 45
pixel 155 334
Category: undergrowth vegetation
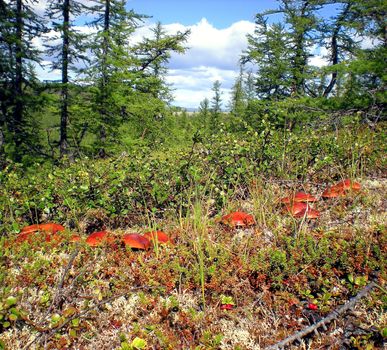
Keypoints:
pixel 276 277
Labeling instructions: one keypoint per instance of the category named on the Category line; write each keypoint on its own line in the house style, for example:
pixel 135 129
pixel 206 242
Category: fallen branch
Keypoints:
pixel 323 322
pixel 58 298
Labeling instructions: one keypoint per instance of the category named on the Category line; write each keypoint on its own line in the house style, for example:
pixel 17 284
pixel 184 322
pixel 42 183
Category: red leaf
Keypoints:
pixel 226 306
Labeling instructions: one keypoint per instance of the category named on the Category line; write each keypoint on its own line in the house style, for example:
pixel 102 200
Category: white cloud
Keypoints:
pixel 213 54
pixel 193 85
pixel 214 47
pixel 319 58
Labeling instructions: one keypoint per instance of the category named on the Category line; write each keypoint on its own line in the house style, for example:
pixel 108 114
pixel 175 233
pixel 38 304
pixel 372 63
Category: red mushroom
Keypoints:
pixel 238 218
pixel 296 208
pixel 299 197
pixel 136 241
pixel 348 185
pixel 308 213
pixel 99 238
pixel 158 236
pixel 333 192
pixel 50 229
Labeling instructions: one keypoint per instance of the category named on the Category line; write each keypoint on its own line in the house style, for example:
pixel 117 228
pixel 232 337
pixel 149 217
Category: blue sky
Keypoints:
pixel 217 40
pixel 220 13
pixel 218 37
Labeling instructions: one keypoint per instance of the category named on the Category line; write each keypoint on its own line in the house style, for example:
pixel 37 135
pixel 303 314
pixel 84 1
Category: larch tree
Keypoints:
pixel 238 97
pixel 153 55
pixel 152 92
pixel 128 78
pixel 204 114
pixel 216 106
pixel 19 26
pixel 268 49
pixel 281 51
pixel 112 61
pixel 67 53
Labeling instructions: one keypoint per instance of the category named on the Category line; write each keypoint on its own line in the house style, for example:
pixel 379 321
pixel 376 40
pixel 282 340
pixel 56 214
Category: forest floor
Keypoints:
pixel 277 277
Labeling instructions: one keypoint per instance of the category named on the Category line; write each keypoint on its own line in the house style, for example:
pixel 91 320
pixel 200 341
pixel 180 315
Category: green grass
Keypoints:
pixel 170 296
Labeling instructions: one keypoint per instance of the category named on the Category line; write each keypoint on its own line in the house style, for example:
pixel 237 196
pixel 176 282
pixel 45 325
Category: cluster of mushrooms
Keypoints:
pixel 298 205
pixel 52 233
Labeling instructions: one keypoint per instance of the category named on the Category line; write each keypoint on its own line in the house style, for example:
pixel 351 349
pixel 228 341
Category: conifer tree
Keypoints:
pixel 204 114
pixel 281 51
pixel 238 97
pixel 301 17
pixel 368 68
pixel 111 63
pixel 269 50
pixel 128 78
pixel 153 55
pixel 19 25
pixel 216 106
pixel 66 54
pixel 249 86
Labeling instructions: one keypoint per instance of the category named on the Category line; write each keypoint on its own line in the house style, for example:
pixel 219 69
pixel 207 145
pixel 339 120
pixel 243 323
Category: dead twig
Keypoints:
pixel 57 300
pixel 323 322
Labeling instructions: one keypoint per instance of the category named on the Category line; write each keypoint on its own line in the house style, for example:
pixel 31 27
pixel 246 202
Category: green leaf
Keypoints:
pixel 138 343
pixel 75 322
pixel 11 301
pixel 14 311
pixel 55 318
pixel 226 300
pixel 125 346
pixel 72 333
pixel 12 317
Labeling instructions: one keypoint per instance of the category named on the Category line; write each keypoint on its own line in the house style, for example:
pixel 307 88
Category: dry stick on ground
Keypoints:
pixel 322 323
pixel 59 290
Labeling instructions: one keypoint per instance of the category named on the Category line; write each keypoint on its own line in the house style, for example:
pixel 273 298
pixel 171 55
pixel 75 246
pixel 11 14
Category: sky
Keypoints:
pixel 218 37
pixel 217 40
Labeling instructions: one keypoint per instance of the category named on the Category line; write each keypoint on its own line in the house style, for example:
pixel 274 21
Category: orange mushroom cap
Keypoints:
pixel 333 192
pixel 136 241
pixel 308 213
pixel 348 185
pixel 238 218
pixel 299 197
pixel 160 236
pixel 49 229
pixel 99 238
pixel 296 207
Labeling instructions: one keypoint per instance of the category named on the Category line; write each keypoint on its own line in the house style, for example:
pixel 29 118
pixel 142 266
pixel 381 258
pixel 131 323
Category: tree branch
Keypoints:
pixel 322 323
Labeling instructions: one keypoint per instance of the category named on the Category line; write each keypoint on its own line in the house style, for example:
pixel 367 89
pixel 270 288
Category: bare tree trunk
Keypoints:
pixel 335 51
pixel 17 122
pixel 63 143
pixel 104 79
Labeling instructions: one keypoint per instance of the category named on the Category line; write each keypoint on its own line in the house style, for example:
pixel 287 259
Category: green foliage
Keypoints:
pixel 9 312
pixel 143 179
pixel 216 107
